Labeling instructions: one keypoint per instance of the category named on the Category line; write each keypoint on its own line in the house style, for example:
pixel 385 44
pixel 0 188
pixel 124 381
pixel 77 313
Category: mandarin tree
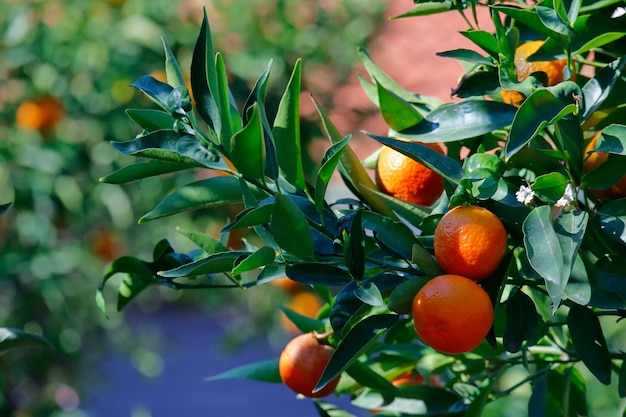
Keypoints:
pixel 536 305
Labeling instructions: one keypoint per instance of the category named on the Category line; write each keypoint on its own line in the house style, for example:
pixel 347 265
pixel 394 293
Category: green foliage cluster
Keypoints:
pixel 63 226
pixel 557 293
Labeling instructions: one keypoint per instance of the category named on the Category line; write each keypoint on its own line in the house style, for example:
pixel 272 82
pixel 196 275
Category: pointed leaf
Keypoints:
pixel 544 252
pixel 463 120
pixel 290 228
pixel 150 119
pixel 330 160
pixel 263 256
pixel 15 338
pixel 158 91
pixel 248 147
pixel 229 115
pixel 207 243
pixel 212 264
pixel 140 170
pixel 521 321
pixel 466 55
pixel 355 255
pixel 589 341
pixel 539 110
pixel 358 340
pixel 210 192
pixel 304 323
pixel 397 113
pixel 286 131
pixel 443 165
pixel 264 371
pixel 318 274
pixel 596 90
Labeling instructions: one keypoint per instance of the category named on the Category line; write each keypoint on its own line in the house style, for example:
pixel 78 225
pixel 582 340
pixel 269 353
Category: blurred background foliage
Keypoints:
pixel 65 70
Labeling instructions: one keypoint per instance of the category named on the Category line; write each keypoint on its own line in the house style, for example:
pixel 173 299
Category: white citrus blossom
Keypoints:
pixel 525 195
pixel 568 196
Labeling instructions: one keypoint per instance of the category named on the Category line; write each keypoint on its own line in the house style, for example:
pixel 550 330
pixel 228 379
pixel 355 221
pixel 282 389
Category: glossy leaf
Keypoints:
pixel 427 8
pixel 249 217
pixel 539 110
pixel 15 338
pixel 420 400
pixel 401 298
pixel 587 336
pixel 140 170
pixel 369 293
pixel 463 120
pixel 318 274
pixel 392 234
pixel 248 147
pixel 355 251
pixel 412 213
pixel 290 227
pixel 331 158
pixel 483 39
pixel 158 91
pixel 286 131
pixel 550 187
pixel 525 16
pixel 550 18
pixel 521 321
pixel 443 165
pixel 264 371
pixel 397 113
pixel 466 55
pixel 231 121
pixel 570 228
pixel 304 323
pixel 544 252
pixel 350 165
pixel 212 264
pixel 125 264
pixel 613 219
pixel 207 243
pixel 150 119
pixel 211 192
pixel 263 256
pixel 355 343
pixel 204 78
pixel 596 90
pixel 325 409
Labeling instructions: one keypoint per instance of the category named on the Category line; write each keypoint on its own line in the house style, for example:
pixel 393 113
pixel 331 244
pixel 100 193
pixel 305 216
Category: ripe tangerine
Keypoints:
pixel 406 179
pixel 523 67
pixel 469 241
pixel 452 314
pixel 302 363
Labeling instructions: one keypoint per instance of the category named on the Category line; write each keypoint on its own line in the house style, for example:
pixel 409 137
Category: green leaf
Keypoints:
pixel 330 160
pixel 248 147
pixel 212 264
pixel 290 228
pixel 350 166
pixel 264 371
pixel 140 170
pixel 483 39
pixel 423 103
pixel 527 17
pixel 539 110
pixel 392 234
pixel 205 242
pixel 125 264
pixel 156 90
pixel 150 119
pixel 596 90
pixel 230 119
pixel 521 321
pixel 15 338
pixel 570 228
pixel 427 8
pixel 131 287
pixel 258 95
pixel 566 393
pixel 552 21
pixel 318 274
pixel 369 293
pixel 286 131
pixel 477 406
pixel 401 298
pixel 169 146
pixel 304 323
pixel 397 113
pixel 367 377
pixel 253 216
pixel 466 55
pixel 412 213
pixel 416 400
pixel 355 250
pixel 613 219
pixel 544 252
pixel 210 192
pixel 358 340
pixel 550 187
pixel 621 387
pixel 325 409
pixel 204 78
pixel 589 341
pixel 263 256
pixel 443 165
pixel 463 120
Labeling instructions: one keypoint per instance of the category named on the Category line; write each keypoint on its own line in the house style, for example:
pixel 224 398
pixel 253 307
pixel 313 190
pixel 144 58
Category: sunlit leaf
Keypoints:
pixel 248 147
pixel 140 170
pixel 290 227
